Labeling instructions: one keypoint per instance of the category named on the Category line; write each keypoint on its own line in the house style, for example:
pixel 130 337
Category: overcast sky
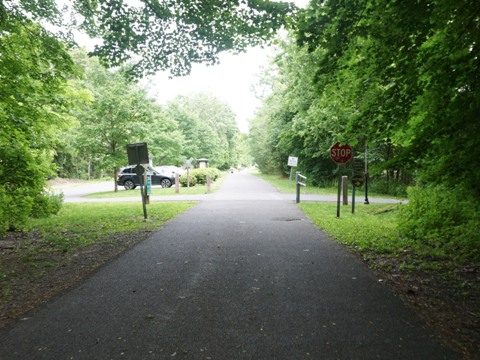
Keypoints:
pixel 231 81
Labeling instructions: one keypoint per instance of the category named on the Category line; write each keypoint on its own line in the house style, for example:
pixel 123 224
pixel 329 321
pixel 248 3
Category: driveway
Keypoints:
pixel 246 276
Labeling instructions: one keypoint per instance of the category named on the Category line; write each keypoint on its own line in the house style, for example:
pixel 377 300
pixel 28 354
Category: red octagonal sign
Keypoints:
pixel 341 154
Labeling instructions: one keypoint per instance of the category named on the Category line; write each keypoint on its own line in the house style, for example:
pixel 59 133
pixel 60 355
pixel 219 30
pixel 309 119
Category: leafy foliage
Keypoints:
pixel 199 176
pixel 174 34
pixel 161 35
pixel 444 218
pixel 209 128
pixel 34 98
pixel 406 75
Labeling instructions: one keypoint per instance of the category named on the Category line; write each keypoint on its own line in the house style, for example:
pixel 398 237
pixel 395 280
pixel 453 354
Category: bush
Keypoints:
pixel 392 187
pixel 183 179
pixel 20 204
pixel 443 218
pixel 46 204
pixel 200 176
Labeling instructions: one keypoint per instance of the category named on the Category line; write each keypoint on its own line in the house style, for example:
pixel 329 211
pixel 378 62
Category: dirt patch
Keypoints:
pixel 32 271
pixel 447 301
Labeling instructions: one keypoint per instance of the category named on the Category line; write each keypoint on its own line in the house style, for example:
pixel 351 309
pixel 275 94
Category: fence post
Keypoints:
pixel 209 182
pixel 177 183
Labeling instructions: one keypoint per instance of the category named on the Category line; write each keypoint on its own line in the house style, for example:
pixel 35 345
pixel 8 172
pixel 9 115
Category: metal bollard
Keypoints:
pixel 298 184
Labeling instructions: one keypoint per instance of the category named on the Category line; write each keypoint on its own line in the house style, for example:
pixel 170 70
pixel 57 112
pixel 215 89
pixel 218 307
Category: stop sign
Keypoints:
pixel 341 154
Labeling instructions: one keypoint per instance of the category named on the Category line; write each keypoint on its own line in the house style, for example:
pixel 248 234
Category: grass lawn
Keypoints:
pixel 79 224
pixel 285 185
pixel 371 228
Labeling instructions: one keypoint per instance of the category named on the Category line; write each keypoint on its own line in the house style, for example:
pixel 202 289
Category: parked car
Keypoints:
pixel 130 180
pixel 170 170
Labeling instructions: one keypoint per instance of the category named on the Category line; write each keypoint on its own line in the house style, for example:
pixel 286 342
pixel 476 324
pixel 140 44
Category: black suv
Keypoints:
pixel 130 180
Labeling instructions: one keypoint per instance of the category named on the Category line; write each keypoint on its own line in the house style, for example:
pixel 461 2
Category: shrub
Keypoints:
pixel 443 218
pixel 200 176
pixel 20 204
pixel 46 204
pixel 392 187
pixel 183 179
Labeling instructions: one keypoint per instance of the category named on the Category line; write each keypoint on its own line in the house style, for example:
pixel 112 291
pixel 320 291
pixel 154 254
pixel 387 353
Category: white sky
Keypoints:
pixel 232 80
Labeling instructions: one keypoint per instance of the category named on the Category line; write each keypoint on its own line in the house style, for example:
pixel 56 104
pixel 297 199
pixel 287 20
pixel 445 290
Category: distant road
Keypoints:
pixel 76 193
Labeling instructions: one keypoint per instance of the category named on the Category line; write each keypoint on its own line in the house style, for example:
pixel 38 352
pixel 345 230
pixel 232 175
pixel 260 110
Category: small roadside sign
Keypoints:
pixel 149 185
pixel 357 180
pixel 292 161
pixel 358 166
pixel 137 154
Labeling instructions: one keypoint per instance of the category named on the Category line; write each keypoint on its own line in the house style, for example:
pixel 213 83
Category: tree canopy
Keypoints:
pixel 404 73
pixel 163 34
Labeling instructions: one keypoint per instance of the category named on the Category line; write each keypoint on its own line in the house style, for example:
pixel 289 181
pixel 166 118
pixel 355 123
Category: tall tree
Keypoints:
pixel 209 127
pixel 120 113
pixel 33 103
pixel 406 73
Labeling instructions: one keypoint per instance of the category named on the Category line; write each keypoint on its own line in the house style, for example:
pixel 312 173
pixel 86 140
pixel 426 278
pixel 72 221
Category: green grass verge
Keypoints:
pixel 284 184
pixel 371 228
pixel 373 232
pixel 80 224
pixel 55 252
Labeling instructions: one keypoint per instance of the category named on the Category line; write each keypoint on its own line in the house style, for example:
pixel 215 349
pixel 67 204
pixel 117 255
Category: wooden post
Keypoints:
pixel 177 183
pixel 209 183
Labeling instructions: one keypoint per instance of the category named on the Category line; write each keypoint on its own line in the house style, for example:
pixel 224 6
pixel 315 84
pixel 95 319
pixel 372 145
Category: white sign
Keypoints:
pixel 292 161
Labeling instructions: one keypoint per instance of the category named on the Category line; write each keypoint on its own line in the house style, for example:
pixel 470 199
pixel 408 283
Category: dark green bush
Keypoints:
pixel 443 218
pixel 381 185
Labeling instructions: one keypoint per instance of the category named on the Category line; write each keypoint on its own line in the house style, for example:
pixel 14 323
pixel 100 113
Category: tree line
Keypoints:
pixel 398 77
pixel 63 113
pixel 114 111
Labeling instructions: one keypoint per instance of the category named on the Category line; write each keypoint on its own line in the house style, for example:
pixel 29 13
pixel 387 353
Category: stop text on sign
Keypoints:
pixel 341 154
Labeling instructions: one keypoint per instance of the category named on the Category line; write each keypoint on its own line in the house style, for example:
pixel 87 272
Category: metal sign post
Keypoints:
pixel 339 195
pixel 299 183
pixel 138 155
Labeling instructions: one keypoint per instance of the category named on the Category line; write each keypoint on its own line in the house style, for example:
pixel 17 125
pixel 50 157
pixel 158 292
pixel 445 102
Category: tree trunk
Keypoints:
pixel 115 172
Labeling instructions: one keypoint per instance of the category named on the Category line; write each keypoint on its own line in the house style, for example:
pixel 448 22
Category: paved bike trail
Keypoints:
pixel 244 276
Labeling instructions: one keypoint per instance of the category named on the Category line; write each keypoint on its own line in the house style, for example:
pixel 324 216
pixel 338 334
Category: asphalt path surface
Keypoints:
pixel 243 276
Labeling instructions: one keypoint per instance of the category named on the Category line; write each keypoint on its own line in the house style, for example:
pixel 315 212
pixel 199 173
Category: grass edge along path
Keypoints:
pixel 56 253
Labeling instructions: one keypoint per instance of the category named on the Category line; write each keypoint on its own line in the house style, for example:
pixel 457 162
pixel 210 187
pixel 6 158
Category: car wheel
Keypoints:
pixel 129 185
pixel 165 183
